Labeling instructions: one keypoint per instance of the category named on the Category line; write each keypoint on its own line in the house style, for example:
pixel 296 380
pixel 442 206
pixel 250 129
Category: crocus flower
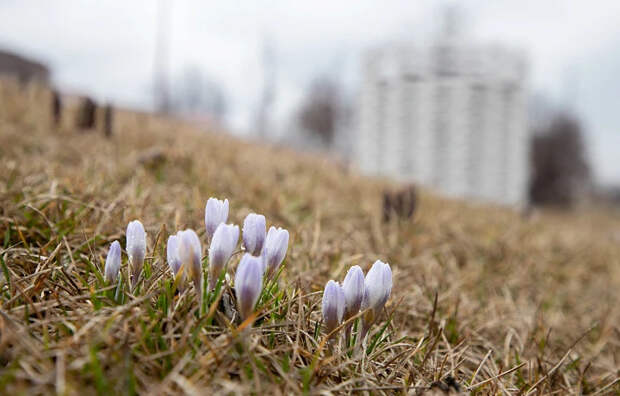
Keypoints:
pixel 353 287
pixel 172 254
pixel 136 249
pixel 174 261
pixel 216 213
pixel 189 252
pixel 377 289
pixel 113 262
pixel 274 250
pixel 222 246
pixel 333 305
pixel 254 233
pixel 248 284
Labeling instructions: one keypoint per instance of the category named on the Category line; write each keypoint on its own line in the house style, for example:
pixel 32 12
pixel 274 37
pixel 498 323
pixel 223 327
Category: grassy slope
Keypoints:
pixel 538 295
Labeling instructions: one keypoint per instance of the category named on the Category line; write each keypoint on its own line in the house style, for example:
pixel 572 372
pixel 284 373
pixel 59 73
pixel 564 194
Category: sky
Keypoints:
pixel 107 49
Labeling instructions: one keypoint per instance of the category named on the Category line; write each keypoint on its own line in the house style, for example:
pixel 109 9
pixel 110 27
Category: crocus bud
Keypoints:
pixel 136 249
pixel 275 248
pixel 113 262
pixel 174 261
pixel 353 287
pixel 254 233
pixel 377 289
pixel 333 305
pixel 216 213
pixel 248 284
pixel 222 246
pixel 172 254
pixel 189 252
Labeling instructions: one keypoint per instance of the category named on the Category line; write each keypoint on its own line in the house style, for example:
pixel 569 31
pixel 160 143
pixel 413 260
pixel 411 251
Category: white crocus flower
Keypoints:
pixel 216 213
pixel 136 249
pixel 254 233
pixel 222 247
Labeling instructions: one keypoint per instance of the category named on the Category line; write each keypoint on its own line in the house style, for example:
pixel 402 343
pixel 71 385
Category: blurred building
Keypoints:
pixel 450 115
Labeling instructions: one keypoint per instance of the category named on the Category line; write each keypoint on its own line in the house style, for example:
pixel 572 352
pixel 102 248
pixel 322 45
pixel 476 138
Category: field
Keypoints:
pixel 485 300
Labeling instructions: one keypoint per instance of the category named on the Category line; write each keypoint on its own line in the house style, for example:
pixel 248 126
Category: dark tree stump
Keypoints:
pixel 86 114
pixel 56 108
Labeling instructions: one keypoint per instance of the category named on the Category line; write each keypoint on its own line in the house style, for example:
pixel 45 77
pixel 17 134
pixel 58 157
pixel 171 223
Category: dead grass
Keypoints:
pixel 482 296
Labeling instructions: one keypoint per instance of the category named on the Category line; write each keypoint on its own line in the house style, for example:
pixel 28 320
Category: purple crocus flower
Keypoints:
pixel 216 213
pixel 254 233
pixel 113 262
pixel 377 290
pixel 222 247
pixel 172 254
pixel 274 251
pixel 248 284
pixel 189 253
pixel 353 287
pixel 333 305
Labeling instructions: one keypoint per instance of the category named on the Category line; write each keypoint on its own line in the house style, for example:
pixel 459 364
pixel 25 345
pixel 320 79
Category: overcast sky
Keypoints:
pixel 106 49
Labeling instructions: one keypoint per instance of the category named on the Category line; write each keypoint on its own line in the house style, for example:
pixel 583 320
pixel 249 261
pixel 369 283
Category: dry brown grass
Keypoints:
pixel 500 303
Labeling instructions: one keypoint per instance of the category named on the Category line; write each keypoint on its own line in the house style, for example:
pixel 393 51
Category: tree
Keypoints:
pixel 560 170
pixel 321 110
pixel 196 94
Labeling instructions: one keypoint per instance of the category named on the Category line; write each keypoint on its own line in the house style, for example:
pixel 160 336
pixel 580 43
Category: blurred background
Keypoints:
pixel 511 102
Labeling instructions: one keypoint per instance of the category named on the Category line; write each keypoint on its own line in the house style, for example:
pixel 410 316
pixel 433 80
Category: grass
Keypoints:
pixel 483 298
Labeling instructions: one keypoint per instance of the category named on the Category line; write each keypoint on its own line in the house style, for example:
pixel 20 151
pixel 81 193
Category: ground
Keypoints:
pixel 485 300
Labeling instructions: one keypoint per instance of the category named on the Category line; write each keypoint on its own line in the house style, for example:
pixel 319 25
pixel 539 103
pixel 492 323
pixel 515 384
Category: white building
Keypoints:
pixel 451 116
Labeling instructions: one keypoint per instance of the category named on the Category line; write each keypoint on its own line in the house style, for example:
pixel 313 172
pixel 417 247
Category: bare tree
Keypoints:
pixel 560 170
pixel 322 109
pixel 161 88
pixel 195 93
pixel 268 92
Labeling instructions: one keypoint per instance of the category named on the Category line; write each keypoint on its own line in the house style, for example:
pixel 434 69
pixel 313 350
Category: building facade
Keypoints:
pixel 449 116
